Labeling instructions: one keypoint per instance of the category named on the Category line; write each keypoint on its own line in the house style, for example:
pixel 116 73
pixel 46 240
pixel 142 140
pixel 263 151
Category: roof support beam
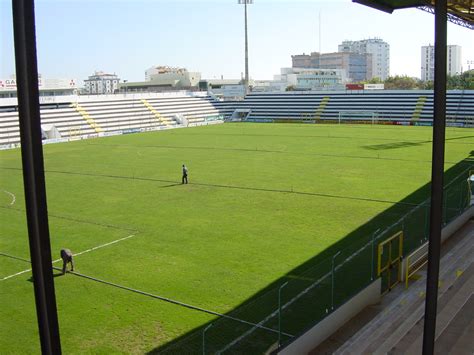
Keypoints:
pixel 437 174
pixel 33 174
pixel 376 5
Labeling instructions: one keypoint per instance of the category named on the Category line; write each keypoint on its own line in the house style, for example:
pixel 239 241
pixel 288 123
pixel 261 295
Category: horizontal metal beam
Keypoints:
pixel 376 5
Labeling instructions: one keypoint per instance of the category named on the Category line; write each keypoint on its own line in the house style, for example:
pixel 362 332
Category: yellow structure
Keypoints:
pixel 87 117
pixel 322 106
pixel 156 114
pixel 74 133
pixel 389 265
pixel 415 261
pixel 418 108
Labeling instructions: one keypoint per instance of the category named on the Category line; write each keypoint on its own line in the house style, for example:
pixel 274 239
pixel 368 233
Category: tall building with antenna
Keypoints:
pixel 379 49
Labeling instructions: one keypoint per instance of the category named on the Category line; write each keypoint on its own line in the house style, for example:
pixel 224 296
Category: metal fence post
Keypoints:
pixel 445 207
pixel 427 217
pixel 332 279
pixel 204 339
pixel 279 312
pixel 372 255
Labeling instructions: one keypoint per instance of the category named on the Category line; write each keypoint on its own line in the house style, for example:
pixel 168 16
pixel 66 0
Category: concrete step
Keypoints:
pixel 407 309
pixel 459 259
pixel 454 293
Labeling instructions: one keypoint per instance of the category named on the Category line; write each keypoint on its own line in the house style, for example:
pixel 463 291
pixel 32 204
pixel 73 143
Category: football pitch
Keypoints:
pixel 264 204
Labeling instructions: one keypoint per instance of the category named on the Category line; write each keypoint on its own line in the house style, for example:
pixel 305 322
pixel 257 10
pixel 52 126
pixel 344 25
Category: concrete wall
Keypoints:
pixel 446 232
pixel 321 331
pixel 456 224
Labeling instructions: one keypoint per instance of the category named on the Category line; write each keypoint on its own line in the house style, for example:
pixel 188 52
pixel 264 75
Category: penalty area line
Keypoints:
pixel 58 260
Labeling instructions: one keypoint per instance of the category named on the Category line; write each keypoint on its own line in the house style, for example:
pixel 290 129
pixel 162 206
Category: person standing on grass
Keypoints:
pixel 66 255
pixel 185 175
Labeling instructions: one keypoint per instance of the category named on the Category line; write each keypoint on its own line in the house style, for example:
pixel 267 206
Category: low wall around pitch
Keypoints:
pixel 321 331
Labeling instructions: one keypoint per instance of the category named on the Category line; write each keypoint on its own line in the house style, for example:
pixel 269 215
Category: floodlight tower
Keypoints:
pixel 246 80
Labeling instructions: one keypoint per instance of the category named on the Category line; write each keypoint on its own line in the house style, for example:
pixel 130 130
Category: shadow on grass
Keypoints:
pixel 57 274
pixel 455 138
pixel 311 291
pixel 172 185
pixel 396 145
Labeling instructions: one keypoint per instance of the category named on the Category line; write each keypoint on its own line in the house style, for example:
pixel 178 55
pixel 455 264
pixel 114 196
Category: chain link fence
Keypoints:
pixel 298 301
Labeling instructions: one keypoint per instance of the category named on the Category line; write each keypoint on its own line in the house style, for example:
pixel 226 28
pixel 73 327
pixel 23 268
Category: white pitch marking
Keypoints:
pixel 12 195
pixel 77 254
pixel 103 245
pixel 18 273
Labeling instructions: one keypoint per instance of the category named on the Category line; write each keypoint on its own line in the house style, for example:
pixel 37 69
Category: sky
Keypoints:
pixel 126 37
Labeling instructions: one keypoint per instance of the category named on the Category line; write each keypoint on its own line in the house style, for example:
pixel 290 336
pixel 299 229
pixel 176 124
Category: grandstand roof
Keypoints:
pixel 460 12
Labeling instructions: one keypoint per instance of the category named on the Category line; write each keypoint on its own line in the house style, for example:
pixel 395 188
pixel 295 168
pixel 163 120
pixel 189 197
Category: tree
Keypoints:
pixel 375 80
pixel 428 85
pixel 464 81
pixel 401 83
pixel 468 80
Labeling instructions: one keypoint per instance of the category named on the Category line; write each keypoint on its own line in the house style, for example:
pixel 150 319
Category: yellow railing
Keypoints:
pixel 413 266
pixel 392 259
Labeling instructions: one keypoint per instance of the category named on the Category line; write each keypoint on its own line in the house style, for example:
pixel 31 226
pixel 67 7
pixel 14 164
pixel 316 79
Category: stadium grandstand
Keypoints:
pixel 74 117
pixel 400 106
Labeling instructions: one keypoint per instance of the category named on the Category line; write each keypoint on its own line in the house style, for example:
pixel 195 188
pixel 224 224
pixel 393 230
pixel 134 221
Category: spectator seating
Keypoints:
pixel 77 117
pixel 409 106
pixel 114 113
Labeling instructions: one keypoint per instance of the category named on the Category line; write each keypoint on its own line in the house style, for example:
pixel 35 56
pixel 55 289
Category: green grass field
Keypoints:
pixel 265 204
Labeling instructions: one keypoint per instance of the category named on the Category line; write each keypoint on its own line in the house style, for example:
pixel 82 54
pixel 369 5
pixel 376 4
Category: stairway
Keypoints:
pixel 156 114
pixel 87 117
pixel 399 327
pixel 322 105
pixel 418 108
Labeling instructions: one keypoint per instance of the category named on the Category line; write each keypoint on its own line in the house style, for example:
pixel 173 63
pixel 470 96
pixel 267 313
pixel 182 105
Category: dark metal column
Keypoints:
pixel 437 172
pixel 246 53
pixel 33 174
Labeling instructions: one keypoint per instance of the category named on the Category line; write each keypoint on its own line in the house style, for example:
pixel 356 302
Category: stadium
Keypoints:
pixel 302 210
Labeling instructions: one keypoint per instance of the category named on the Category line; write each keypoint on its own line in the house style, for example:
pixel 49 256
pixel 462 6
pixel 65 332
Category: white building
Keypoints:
pixel 311 79
pixel 46 86
pixel 453 61
pixel 380 51
pixel 101 83
pixel 176 77
pixel 268 86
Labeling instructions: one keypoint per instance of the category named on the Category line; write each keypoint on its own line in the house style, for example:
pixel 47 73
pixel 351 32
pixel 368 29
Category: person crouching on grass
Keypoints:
pixel 66 255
